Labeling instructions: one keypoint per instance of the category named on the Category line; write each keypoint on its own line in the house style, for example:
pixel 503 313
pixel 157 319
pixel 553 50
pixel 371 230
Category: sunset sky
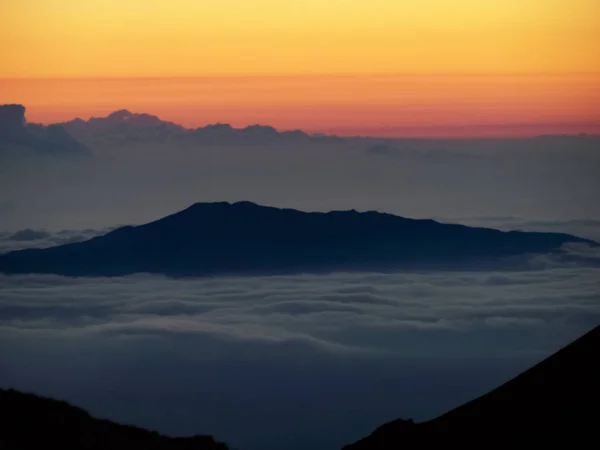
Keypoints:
pixel 381 67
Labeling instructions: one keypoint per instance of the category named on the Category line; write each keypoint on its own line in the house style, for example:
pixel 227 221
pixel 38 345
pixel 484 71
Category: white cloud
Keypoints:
pixel 356 312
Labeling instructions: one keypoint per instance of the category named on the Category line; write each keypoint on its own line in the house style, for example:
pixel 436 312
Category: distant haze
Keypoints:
pixel 139 168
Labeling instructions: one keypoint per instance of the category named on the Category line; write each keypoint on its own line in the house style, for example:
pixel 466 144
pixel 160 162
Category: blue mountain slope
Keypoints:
pixel 245 238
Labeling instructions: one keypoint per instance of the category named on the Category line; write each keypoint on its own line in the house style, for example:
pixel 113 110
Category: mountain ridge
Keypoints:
pixel 551 402
pixel 244 238
pixel 30 421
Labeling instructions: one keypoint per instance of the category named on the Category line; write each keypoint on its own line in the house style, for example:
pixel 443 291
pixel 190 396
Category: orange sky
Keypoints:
pixel 432 67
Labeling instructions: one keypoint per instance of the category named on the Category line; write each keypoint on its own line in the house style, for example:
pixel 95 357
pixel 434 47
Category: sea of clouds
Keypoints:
pixel 288 361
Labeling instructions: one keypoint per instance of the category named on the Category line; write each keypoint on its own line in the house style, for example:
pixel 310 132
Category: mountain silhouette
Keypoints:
pixel 30 422
pixel 555 402
pixel 245 238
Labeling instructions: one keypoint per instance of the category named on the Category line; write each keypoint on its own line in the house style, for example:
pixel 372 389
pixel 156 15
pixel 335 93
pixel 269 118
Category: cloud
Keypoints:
pixel 124 127
pixel 28 235
pixel 19 139
pixel 333 313
pixel 263 362
pixel 266 363
pixel 571 255
pixel 136 179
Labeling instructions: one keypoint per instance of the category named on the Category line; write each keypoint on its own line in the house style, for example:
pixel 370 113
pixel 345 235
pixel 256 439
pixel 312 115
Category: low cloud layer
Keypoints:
pixel 337 313
pixel 263 363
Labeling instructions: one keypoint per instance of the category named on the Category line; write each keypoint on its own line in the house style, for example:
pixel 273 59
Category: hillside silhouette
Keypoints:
pixel 29 421
pixel 245 238
pixel 555 402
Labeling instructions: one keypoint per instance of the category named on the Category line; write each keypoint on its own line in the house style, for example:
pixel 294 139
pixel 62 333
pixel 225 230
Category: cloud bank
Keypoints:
pixel 338 313
pixel 19 139
pixel 265 363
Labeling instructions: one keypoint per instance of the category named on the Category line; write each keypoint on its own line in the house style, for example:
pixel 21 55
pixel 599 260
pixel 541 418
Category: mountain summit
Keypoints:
pixel 246 238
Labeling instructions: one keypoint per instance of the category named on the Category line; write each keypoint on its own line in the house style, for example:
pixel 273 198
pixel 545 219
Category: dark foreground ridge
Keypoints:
pixel 248 239
pixel 556 401
pixel 31 422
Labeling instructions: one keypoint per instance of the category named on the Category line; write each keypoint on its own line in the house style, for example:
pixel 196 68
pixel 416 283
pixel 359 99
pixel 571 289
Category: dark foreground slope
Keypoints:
pixel 31 422
pixel 245 238
pixel 556 401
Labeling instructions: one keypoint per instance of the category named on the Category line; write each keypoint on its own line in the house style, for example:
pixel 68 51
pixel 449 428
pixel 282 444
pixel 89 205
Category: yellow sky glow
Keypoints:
pixel 66 38
pixel 313 64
